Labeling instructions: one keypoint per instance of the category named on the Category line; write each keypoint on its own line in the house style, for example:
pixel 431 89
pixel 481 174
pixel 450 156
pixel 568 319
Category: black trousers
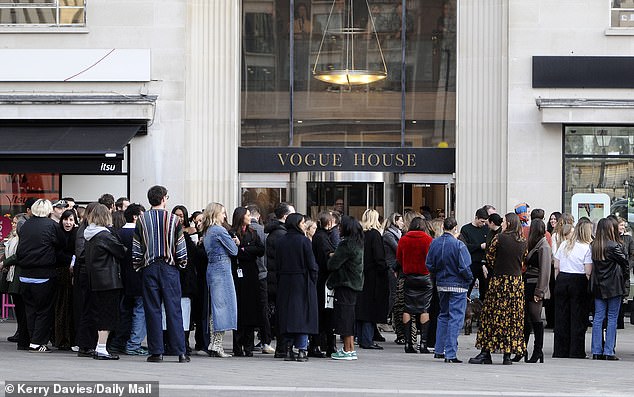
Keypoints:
pixel 86 336
pixel 483 282
pixel 39 301
pixel 20 316
pixel 571 315
pixel 265 329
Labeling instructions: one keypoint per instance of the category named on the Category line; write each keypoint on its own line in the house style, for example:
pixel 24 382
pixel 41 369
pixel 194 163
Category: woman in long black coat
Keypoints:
pixel 373 302
pixel 297 292
pixel 245 277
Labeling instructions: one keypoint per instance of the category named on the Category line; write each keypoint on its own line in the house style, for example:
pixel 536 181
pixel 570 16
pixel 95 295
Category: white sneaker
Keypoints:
pixel 267 349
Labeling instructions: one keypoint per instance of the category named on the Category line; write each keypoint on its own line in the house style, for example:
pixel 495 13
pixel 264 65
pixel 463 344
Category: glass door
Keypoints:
pixel 435 198
pixel 348 198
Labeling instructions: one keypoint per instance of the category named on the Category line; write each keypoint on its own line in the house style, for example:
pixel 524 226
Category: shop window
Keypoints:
pixel 600 159
pixel 15 189
pixel 48 13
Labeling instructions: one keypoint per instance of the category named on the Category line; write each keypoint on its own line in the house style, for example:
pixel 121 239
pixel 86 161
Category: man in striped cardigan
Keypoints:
pixel 158 249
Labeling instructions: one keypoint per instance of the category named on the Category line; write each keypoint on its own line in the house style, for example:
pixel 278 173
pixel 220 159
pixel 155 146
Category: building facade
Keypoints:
pixel 217 100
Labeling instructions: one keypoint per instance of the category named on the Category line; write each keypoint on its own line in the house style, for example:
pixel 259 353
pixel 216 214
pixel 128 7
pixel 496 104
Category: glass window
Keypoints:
pixel 600 159
pixel 15 189
pixel 622 13
pixel 43 13
pixel 326 114
pixel 265 198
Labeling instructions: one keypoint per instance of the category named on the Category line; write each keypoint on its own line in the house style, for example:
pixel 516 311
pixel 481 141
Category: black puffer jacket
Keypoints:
pixel 104 252
pixel 41 241
pixel 607 279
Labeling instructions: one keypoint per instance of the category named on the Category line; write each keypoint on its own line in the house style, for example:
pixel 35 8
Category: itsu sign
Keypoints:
pixel 108 167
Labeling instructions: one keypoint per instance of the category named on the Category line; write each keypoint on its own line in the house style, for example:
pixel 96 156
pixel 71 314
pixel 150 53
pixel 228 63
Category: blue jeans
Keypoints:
pixel 300 341
pixel 365 333
pixel 450 321
pixel 137 328
pixel 601 306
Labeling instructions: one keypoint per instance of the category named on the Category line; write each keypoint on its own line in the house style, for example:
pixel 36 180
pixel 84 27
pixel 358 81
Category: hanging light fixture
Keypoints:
pixel 346 69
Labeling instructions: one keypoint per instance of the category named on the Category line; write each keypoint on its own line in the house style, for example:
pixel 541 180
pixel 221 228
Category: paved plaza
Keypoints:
pixel 389 372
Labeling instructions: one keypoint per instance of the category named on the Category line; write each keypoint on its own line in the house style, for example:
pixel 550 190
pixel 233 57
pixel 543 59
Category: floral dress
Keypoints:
pixel 502 318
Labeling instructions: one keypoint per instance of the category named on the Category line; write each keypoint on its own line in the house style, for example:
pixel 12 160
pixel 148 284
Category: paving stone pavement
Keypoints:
pixel 389 372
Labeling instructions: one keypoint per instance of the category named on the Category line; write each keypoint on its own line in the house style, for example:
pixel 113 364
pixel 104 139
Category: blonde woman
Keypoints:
pixel 41 239
pixel 373 300
pixel 571 312
pixel 220 247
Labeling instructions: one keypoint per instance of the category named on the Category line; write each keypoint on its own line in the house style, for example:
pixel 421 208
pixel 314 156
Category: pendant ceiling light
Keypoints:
pixel 348 54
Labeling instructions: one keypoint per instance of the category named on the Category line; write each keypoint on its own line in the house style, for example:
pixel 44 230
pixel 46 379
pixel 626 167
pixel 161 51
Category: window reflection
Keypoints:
pixel 332 115
pixel 15 189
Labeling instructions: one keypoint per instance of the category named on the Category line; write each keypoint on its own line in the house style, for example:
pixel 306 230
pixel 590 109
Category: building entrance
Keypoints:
pixel 348 198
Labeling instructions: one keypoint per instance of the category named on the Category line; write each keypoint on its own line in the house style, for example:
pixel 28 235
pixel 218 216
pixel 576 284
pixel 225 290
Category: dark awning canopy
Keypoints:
pixel 54 147
pixel 82 140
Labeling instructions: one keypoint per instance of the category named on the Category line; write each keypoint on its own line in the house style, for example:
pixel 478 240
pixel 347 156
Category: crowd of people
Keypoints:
pixel 103 280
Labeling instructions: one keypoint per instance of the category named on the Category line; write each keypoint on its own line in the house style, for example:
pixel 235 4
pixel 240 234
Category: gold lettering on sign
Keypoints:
pixel 387 157
pixel 359 162
pixel 324 159
pixel 373 160
pixel 336 160
pixel 400 161
pixel 411 160
pixel 296 159
pixel 309 159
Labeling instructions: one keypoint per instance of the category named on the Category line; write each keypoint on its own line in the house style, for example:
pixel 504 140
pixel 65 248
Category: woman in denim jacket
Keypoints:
pixel 220 246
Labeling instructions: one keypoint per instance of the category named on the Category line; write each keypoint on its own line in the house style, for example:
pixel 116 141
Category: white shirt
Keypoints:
pixel 573 261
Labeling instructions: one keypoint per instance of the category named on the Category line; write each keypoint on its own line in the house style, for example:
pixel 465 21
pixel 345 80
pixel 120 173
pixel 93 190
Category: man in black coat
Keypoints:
pixel 274 230
pixel 474 235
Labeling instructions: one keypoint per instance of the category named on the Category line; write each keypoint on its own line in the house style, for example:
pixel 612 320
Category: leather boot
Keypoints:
pixel 422 348
pixel 313 348
pixel 409 346
pixel 290 355
pixel 483 358
pixel 331 344
pixel 506 360
pixel 538 353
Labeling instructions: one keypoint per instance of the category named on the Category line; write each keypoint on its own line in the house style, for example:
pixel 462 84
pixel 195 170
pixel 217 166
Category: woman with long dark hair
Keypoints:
pixel 536 278
pixel 245 277
pixel 297 293
pixel 502 318
pixel 552 222
pixel 346 278
pixel 609 263
pixel 64 334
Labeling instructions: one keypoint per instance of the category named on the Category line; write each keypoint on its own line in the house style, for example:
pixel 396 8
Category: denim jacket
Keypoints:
pixel 219 244
pixel 448 260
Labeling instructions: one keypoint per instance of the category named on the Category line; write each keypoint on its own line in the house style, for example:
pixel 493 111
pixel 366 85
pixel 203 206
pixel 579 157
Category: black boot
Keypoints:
pixel 188 350
pixel 409 346
pixel 331 344
pixel 313 348
pixel 506 360
pixel 538 353
pixel 423 338
pixel 483 358
pixel 290 355
pixel 15 338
